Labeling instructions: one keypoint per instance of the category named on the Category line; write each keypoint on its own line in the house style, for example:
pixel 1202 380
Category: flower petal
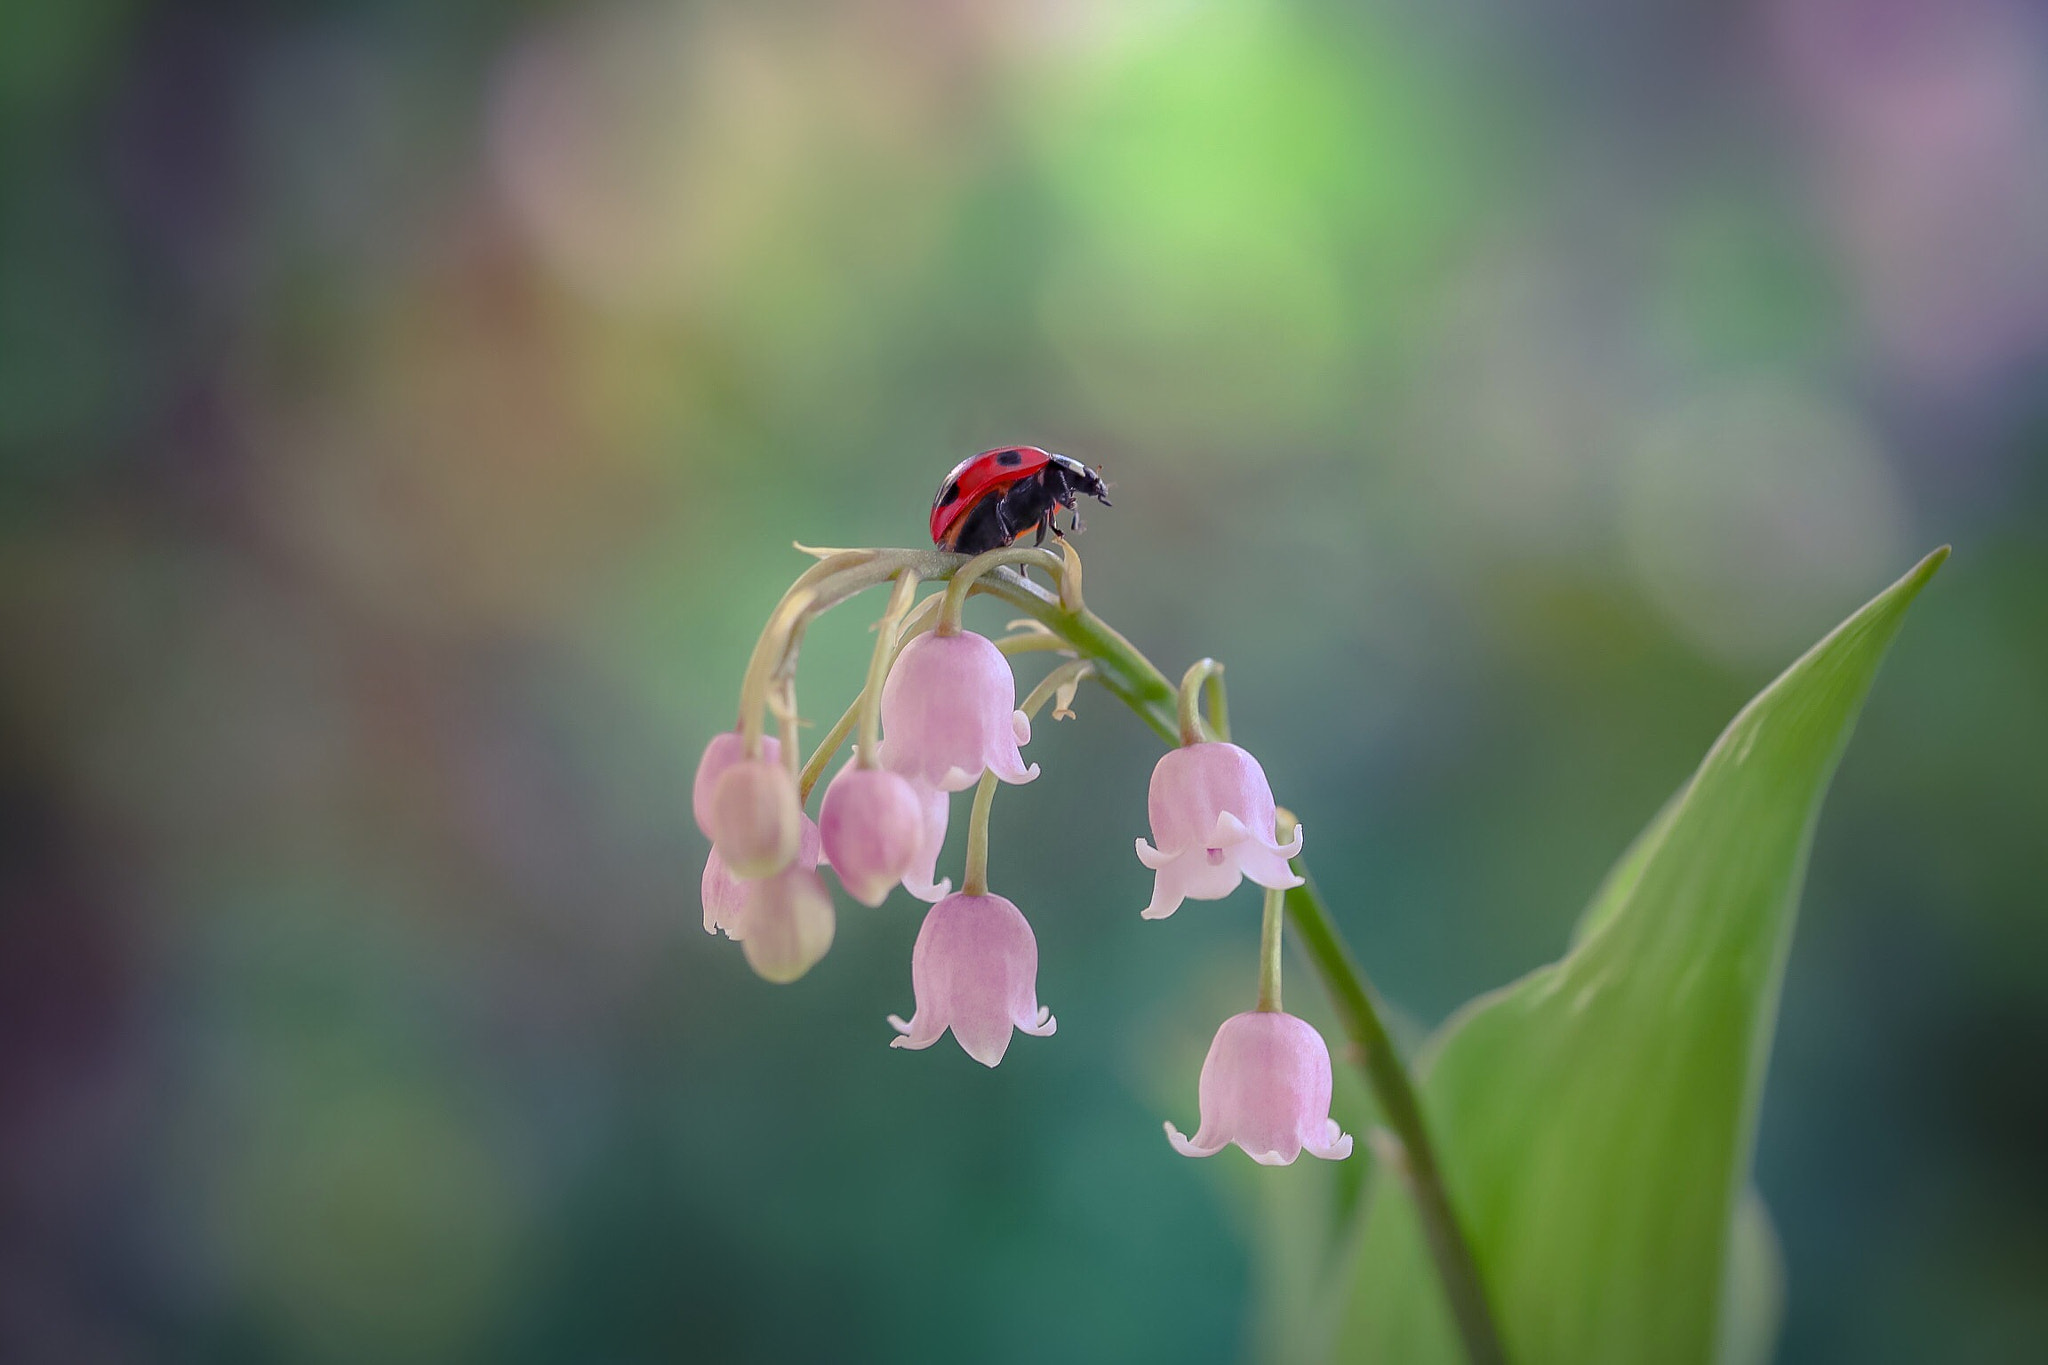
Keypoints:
pixel 1186 1146
pixel 1264 866
pixel 1334 1145
pixel 1044 1027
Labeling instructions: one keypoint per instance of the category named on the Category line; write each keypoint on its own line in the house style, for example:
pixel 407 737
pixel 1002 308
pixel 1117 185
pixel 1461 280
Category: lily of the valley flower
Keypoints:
pixel 724 750
pixel 1266 1087
pixel 755 820
pixel 949 711
pixel 873 823
pixel 788 923
pixel 1213 822
pixel 974 970
pixel 726 897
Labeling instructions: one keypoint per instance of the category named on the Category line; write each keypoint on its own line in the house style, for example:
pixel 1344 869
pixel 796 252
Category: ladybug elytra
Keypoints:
pixel 991 499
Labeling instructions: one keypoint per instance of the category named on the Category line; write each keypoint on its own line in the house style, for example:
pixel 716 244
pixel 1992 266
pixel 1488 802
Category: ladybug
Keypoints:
pixel 991 499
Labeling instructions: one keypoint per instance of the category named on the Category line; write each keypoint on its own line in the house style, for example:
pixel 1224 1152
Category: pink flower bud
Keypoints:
pixel 974 970
pixel 1266 1087
pixel 920 880
pixel 721 753
pixel 789 923
pixel 726 896
pixel 949 710
pixel 1214 824
pixel 874 824
pixel 756 820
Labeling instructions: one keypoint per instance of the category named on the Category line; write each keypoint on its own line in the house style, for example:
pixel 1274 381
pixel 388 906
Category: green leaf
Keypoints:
pixel 1596 1118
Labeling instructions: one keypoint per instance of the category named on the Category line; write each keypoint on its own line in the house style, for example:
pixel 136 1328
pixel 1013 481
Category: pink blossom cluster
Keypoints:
pixel 948 714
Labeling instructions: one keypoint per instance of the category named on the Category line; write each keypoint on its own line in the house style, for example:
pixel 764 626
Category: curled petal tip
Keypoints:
pixel 1185 1146
pixel 1229 830
pixel 931 895
pixel 1271 1158
pixel 1152 857
pixel 897 1022
pixel 1045 1025
pixel 1017 773
pixel 1328 1150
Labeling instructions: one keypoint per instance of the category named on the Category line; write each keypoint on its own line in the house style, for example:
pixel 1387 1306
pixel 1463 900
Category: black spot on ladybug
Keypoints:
pixel 952 492
pixel 1010 459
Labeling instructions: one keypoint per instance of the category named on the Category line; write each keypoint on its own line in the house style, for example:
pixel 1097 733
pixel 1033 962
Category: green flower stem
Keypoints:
pixel 1193 730
pixel 878 667
pixel 1269 953
pixel 1138 683
pixel 964 578
pixel 1373 1050
pixel 974 880
pixel 827 748
pixel 786 715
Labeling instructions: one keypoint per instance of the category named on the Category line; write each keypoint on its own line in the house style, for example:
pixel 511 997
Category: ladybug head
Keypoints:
pixel 1081 480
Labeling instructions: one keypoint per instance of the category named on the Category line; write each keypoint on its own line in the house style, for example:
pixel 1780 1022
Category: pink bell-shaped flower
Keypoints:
pixel 726 896
pixel 922 879
pixel 949 710
pixel 756 820
pixel 974 970
pixel 788 924
pixel 721 753
pixel 873 822
pixel 1214 824
pixel 1266 1087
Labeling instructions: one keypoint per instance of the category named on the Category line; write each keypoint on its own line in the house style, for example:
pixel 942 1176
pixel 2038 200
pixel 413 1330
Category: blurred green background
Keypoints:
pixel 406 411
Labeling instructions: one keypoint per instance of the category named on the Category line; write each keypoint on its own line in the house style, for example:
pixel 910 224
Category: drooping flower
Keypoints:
pixel 949 711
pixel 756 820
pixel 873 822
pixel 1266 1087
pixel 1213 822
pixel 788 923
pixel 974 970
pixel 726 896
pixel 721 753
pixel 922 878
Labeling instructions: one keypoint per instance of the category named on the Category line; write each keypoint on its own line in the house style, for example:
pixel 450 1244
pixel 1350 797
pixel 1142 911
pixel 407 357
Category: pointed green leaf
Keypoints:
pixel 1596 1118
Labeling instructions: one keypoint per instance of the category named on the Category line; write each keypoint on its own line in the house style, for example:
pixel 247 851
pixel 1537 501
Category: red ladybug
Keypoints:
pixel 991 499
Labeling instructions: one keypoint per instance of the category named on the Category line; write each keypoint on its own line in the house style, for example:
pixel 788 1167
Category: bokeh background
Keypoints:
pixel 406 414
